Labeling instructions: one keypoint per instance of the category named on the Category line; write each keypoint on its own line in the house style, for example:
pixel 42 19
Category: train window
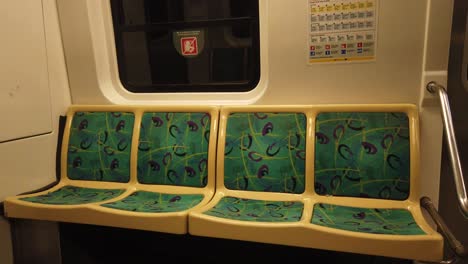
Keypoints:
pixel 187 45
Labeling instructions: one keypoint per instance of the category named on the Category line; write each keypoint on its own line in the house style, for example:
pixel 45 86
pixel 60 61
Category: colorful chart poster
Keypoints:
pixel 342 30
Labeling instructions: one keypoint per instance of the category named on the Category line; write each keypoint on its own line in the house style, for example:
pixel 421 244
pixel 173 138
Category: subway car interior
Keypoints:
pixel 230 131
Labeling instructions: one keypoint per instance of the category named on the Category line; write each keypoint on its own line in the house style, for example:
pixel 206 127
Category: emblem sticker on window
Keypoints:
pixel 189 43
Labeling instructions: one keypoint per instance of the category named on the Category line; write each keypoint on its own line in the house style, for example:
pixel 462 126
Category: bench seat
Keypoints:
pixel 333 177
pixel 130 166
pixel 355 191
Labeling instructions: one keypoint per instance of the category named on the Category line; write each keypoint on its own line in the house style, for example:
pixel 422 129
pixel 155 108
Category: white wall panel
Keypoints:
pixel 393 78
pixel 24 91
pixel 26 165
pixel 31 54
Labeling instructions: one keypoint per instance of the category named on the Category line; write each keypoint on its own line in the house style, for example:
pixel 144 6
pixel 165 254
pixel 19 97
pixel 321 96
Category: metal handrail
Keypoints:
pixel 435 88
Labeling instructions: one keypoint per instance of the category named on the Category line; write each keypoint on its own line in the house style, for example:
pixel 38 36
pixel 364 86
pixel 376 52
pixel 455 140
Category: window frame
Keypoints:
pixel 212 87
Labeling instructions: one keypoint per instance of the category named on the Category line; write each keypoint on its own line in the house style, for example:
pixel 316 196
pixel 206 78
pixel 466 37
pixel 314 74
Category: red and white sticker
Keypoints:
pixel 189 46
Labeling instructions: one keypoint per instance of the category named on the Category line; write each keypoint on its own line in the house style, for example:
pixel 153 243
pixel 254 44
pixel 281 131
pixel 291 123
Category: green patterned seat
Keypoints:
pixel 72 195
pixel 150 202
pixel 99 146
pixel 264 152
pixel 362 155
pixel 257 210
pixel 365 155
pixel 173 149
pixel 365 220
pixel 98 150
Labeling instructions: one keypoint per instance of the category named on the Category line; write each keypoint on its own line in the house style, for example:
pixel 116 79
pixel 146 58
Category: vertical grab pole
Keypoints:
pixel 435 88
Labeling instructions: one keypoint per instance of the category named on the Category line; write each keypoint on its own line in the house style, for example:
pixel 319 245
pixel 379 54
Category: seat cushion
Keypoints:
pixel 173 149
pixel 265 152
pixel 99 146
pixel 365 220
pixel 72 195
pixel 361 154
pixel 257 210
pixel 152 202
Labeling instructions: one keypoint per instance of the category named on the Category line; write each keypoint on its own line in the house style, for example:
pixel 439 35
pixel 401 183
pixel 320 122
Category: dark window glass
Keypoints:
pixel 187 45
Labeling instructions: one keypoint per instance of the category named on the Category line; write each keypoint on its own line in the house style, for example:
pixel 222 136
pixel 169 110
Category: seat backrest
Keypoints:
pixel 264 149
pixel 177 148
pixel 363 154
pixel 99 145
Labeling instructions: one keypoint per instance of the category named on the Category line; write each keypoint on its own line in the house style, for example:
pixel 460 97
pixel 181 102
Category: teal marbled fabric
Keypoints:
pixel 362 155
pixel 149 202
pixel 257 210
pixel 365 220
pixel 71 195
pixel 99 146
pixel 173 149
pixel 265 152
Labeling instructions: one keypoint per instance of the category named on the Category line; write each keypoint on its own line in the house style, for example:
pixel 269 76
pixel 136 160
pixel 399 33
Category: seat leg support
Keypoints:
pixel 456 246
